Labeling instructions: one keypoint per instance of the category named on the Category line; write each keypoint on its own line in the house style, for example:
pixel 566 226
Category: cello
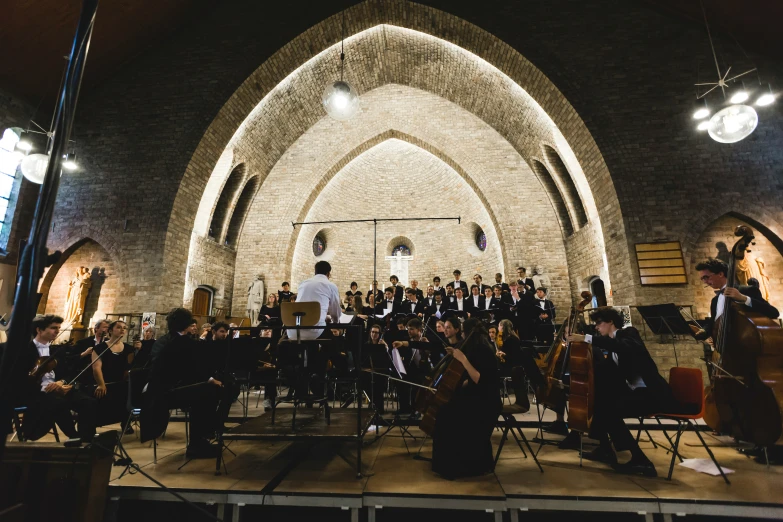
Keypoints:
pixel 554 366
pixel 745 397
pixel 445 378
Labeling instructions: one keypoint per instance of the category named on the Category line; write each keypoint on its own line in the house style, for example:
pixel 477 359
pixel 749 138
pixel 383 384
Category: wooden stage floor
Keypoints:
pixel 324 475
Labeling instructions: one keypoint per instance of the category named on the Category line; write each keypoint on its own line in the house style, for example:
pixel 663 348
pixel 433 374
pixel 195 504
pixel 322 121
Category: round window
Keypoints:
pixel 481 240
pixel 319 245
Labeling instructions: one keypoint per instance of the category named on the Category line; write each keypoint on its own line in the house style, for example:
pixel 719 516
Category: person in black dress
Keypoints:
pixel 271 308
pixel 461 443
pixel 112 360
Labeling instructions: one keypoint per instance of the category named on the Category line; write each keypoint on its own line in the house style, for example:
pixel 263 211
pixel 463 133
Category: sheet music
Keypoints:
pixel 397 360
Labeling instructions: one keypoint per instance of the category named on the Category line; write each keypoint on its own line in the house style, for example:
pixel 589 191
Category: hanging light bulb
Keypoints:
pixel 703 125
pixel 34 167
pixel 766 98
pixel 340 99
pixel 700 109
pixel 732 124
pixel 69 162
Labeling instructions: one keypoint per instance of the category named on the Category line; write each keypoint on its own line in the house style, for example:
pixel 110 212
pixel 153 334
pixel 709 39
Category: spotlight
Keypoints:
pixel 700 110
pixel 739 95
pixel 24 146
pixel 766 98
pixel 70 162
pixel 704 125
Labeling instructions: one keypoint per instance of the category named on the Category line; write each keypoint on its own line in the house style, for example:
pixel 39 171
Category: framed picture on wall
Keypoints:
pixel 661 263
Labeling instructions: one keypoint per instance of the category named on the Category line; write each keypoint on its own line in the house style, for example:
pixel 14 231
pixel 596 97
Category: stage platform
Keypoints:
pixel 298 474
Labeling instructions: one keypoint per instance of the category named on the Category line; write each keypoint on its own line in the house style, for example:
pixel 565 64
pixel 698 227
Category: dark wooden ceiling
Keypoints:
pixel 36 35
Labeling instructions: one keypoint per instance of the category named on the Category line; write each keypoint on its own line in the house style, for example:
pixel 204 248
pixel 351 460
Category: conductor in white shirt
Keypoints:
pixel 318 288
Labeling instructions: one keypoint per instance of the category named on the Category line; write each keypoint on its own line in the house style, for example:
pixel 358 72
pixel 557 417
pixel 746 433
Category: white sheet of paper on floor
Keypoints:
pixel 704 466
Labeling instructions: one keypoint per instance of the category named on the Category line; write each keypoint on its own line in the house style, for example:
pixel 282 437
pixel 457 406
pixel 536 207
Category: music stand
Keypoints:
pixel 299 314
pixel 665 319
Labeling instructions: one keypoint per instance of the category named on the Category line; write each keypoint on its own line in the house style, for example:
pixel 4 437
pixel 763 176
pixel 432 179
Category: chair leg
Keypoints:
pixel 712 456
pixel 154 451
pixel 524 439
pixel 671 444
pixel 55 432
pixel 500 446
pixel 675 448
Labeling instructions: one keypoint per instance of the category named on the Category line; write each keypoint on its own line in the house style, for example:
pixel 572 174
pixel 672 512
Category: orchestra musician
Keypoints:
pixel 79 355
pixel 177 380
pixel 111 362
pixel 461 443
pixel 627 384
pixel 51 399
pixel 375 354
pixel 143 348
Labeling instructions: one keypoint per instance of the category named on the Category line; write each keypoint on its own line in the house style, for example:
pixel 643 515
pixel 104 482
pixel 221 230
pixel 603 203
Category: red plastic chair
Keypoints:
pixel 688 389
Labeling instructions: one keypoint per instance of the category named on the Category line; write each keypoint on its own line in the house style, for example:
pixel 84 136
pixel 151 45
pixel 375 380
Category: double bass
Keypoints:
pixel 553 366
pixel 745 394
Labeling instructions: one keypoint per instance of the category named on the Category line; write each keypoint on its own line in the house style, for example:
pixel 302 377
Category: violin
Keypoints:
pixel 43 365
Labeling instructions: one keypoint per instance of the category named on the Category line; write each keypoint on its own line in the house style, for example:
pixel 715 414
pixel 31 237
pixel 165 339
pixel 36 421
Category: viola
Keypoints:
pixel 745 397
pixel 43 365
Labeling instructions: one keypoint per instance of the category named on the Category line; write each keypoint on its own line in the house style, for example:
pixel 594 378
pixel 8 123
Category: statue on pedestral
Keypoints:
pixel 255 300
pixel 75 300
pixel 540 278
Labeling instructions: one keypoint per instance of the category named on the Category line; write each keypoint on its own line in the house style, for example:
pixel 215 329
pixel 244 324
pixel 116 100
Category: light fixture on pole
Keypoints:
pixel 736 120
pixel 340 99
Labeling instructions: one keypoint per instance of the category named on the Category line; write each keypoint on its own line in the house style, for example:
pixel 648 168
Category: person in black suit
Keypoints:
pixel 178 379
pixel 412 305
pixel 475 300
pixel 438 308
pixel 458 283
pixel 459 303
pixel 478 281
pixel 627 385
pixel 51 399
pixel 713 273
pixel 78 356
pixel 488 302
pixel 449 298
pixel 523 279
pixel 545 315
pixel 388 304
pixel 499 281
pixel 285 294
pixel 399 291
pixel 415 286
pixel 520 303
pixel 429 299
pixel 437 288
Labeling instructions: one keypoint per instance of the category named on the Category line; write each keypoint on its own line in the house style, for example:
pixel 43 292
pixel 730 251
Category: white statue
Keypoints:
pixel 255 300
pixel 399 266
pixel 540 278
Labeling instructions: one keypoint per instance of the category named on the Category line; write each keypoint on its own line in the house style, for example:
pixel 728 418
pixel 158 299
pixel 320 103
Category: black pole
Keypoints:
pixel 374 256
pixel 35 256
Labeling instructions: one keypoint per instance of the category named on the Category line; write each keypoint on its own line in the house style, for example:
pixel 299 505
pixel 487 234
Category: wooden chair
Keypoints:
pixel 688 389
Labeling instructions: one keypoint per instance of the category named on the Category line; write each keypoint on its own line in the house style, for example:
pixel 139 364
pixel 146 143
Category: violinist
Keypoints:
pixel 375 355
pixel 461 443
pixel 50 400
pixel 712 272
pixel 143 347
pixel 80 354
pixel 627 384
pixel 111 362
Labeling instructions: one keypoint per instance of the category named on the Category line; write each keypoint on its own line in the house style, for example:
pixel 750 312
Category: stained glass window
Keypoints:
pixel 319 245
pixel 481 240
pixel 402 249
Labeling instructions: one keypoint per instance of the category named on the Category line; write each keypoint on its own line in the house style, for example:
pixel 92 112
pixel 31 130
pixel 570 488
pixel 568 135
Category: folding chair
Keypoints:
pixel 688 389
pixel 511 424
pixel 17 421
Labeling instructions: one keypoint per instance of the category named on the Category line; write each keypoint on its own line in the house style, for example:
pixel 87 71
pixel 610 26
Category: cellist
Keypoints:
pixel 461 443
pixel 627 385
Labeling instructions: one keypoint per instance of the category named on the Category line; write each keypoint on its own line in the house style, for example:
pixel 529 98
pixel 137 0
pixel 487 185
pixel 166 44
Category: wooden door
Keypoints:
pixel 201 302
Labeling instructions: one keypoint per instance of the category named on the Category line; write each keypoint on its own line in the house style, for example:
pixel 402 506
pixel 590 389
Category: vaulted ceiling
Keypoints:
pixel 36 34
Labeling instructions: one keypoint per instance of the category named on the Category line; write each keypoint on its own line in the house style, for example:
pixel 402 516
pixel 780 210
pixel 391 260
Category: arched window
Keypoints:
pixel 9 162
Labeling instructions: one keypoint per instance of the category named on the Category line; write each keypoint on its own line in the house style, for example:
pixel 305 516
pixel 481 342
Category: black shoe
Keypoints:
pixel 641 467
pixel 601 454
pixel 557 428
pixel 571 442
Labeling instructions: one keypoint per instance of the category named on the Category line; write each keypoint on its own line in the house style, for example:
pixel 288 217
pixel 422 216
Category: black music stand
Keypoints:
pixel 665 319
